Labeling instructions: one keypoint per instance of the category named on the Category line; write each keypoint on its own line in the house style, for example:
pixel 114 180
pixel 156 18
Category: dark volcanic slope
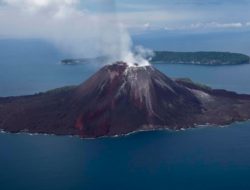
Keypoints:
pixel 119 99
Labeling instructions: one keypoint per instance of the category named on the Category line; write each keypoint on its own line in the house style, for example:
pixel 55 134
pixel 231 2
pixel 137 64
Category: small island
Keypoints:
pixel 200 58
pixel 170 57
pixel 100 59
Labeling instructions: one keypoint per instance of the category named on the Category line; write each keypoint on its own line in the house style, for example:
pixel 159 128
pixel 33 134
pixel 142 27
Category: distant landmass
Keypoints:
pixel 199 58
pixel 206 58
pixel 84 60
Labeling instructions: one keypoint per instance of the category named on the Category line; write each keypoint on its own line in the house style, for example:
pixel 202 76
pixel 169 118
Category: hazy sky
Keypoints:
pixel 178 14
pixel 82 25
pixel 136 15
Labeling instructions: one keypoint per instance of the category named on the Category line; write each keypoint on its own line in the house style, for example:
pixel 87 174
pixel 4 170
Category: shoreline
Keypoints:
pixel 204 126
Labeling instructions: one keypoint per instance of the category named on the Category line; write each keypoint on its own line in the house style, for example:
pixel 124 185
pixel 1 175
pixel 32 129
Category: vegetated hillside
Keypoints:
pixel 209 58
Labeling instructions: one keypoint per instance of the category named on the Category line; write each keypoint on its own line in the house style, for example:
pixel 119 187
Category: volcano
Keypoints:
pixel 120 99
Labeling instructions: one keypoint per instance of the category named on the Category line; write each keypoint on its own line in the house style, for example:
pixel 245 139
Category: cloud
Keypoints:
pixel 84 29
pixel 224 25
pixel 52 7
pixel 180 13
pixel 146 25
pixel 77 31
pixel 208 25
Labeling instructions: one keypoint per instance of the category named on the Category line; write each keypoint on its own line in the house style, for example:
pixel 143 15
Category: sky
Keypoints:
pixel 106 26
pixel 186 15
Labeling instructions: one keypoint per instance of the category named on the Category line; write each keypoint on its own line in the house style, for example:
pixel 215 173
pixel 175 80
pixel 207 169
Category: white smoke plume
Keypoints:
pixel 78 31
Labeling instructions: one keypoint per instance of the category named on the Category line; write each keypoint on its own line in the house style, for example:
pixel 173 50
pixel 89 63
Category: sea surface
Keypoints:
pixel 206 158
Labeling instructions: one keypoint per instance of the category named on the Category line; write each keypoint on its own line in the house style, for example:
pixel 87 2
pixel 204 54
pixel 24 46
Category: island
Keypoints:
pixel 100 59
pixel 200 58
pixel 120 99
pixel 169 57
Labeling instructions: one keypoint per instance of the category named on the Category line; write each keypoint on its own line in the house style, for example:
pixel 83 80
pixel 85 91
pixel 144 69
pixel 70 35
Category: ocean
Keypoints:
pixel 214 157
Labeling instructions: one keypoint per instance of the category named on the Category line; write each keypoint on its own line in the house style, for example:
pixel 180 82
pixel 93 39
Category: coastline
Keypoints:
pixel 202 126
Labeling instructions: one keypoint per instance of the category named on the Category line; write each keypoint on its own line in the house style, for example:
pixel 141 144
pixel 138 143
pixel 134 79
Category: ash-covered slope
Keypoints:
pixel 120 99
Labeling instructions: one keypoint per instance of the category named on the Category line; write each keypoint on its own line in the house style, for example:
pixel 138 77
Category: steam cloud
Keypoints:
pixel 79 31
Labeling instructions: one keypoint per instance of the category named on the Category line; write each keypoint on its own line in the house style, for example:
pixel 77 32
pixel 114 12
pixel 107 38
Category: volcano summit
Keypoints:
pixel 120 99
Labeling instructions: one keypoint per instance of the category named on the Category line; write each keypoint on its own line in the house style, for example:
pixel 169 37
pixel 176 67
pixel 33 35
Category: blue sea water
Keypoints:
pixel 205 158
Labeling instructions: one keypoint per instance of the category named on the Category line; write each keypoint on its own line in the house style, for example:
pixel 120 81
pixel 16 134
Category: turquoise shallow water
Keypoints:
pixel 204 158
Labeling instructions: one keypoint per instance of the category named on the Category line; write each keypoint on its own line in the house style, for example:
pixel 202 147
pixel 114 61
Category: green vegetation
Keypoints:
pixel 207 58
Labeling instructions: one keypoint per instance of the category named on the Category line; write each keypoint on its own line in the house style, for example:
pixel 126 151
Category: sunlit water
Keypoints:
pixel 204 158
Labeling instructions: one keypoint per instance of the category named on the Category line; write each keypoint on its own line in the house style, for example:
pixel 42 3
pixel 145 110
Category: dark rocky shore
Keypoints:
pixel 119 99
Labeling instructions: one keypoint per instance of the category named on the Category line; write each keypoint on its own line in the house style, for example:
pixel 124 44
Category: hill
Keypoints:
pixel 202 58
